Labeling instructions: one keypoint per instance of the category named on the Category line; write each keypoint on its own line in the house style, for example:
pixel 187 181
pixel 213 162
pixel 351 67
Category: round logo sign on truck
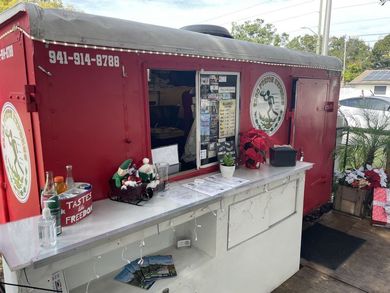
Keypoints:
pixel 268 103
pixel 15 152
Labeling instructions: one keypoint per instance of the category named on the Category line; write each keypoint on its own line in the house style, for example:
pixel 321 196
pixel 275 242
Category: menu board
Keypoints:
pixel 218 111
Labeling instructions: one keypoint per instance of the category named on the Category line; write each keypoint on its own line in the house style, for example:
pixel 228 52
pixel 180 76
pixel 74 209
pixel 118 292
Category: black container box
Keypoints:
pixel 282 156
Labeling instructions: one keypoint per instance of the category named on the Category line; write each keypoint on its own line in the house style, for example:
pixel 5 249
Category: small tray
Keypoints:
pixel 133 195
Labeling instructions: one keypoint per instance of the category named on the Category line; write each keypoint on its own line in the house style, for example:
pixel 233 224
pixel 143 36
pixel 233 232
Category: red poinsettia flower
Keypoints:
pixel 373 178
pixel 253 147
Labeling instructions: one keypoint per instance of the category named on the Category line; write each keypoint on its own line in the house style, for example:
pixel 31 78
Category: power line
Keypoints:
pixel 343 22
pixel 234 12
pixel 272 11
pixel 354 5
pixel 370 41
pixel 360 20
pixel 292 17
pixel 380 34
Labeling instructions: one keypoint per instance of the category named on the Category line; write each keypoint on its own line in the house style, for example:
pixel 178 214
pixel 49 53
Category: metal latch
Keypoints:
pixel 329 106
pixel 31 102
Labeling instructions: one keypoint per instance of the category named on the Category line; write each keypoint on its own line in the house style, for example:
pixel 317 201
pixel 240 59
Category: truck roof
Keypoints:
pixel 65 26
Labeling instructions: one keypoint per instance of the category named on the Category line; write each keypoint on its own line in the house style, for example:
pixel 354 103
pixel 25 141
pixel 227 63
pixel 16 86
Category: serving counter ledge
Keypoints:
pixel 264 211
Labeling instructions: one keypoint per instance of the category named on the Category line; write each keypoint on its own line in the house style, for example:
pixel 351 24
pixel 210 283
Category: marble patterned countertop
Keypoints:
pixel 19 241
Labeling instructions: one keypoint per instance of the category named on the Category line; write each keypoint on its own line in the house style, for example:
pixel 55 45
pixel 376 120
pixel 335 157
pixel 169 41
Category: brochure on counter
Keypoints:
pixel 215 184
pixel 146 274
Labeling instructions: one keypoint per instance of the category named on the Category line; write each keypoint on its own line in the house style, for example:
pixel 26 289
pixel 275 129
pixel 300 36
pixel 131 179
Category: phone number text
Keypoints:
pixel 83 59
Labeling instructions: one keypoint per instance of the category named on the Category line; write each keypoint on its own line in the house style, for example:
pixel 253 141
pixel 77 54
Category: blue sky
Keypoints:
pixel 366 19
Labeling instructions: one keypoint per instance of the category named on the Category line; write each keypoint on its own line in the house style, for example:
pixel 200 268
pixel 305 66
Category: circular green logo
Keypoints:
pixel 15 152
pixel 268 103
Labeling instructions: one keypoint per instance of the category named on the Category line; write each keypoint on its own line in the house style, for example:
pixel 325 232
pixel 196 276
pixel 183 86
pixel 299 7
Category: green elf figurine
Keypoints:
pixel 123 170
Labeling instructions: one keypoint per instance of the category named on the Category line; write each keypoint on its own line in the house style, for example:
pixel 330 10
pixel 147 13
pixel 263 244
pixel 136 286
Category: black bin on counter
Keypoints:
pixel 282 156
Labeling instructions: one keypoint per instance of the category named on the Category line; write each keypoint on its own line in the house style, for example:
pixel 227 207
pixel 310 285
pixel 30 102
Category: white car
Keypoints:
pixel 366 112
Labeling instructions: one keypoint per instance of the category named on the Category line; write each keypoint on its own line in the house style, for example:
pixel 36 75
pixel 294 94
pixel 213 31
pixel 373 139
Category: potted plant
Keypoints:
pixel 227 166
pixel 354 193
pixel 253 147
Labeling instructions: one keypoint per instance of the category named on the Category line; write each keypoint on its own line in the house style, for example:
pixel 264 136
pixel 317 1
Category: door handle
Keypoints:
pixel 301 155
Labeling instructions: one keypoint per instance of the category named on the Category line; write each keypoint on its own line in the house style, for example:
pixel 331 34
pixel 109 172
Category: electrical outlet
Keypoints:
pixel 58 282
pixel 184 243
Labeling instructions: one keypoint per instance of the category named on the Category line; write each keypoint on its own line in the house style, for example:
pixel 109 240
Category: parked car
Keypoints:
pixel 366 112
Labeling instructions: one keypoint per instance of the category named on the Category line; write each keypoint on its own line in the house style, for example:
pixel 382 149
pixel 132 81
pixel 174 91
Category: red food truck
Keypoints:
pixel 92 91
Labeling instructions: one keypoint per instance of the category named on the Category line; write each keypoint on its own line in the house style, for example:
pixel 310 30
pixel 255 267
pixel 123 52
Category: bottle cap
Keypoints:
pixel 59 179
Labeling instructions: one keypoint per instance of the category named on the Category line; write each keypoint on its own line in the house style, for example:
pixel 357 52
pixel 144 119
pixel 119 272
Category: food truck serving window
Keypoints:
pixel 218 106
pixel 193 117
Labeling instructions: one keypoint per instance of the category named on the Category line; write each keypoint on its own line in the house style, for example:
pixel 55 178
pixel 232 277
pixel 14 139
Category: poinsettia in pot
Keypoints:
pixel 227 166
pixel 366 178
pixel 254 145
pixel 355 190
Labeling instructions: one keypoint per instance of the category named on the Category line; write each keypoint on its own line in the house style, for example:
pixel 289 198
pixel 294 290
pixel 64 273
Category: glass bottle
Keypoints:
pixel 59 184
pixel 69 177
pixel 49 190
pixel 47 228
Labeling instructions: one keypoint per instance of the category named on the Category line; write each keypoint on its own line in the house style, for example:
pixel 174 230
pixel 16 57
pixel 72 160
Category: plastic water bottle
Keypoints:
pixel 47 228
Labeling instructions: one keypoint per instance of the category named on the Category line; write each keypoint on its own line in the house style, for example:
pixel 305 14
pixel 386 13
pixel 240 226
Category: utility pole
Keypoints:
pixel 344 58
pixel 328 12
pixel 319 32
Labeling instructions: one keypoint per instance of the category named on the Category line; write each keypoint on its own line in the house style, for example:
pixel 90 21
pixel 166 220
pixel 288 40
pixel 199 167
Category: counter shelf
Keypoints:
pixel 249 231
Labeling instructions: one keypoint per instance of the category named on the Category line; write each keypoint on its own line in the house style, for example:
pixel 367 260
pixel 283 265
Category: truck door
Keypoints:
pixel 313 140
pixel 19 196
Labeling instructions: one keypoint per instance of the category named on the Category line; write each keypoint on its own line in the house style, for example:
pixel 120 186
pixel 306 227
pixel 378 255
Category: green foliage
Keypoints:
pixel 228 160
pixel 381 53
pixel 259 32
pixel 369 140
pixel 358 55
pixel 5 4
pixel 352 71
pixel 306 43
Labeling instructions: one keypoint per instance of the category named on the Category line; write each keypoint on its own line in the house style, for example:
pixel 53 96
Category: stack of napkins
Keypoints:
pixel 145 273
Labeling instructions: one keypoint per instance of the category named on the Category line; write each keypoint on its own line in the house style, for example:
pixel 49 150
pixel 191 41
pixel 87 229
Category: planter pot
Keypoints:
pixel 353 201
pixel 227 171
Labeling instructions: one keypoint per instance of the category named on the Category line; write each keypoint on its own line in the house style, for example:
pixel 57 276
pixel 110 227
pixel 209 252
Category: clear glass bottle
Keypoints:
pixel 69 177
pixel 49 190
pixel 47 228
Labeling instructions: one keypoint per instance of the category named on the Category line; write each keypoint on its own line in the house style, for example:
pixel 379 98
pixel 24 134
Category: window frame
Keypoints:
pixel 198 100
pixel 384 87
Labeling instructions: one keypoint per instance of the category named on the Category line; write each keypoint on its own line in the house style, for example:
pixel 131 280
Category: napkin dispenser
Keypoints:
pixel 282 156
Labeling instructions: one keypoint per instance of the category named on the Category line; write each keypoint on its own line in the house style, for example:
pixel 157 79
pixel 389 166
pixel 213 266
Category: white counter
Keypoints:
pixel 111 221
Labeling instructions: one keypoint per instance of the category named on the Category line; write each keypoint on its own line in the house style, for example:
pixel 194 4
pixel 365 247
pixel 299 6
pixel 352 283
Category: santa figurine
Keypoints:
pixel 148 174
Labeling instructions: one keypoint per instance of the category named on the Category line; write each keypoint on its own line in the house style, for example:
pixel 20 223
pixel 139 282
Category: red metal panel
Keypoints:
pixel 313 136
pixel 13 78
pixel 3 195
pixel 91 116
